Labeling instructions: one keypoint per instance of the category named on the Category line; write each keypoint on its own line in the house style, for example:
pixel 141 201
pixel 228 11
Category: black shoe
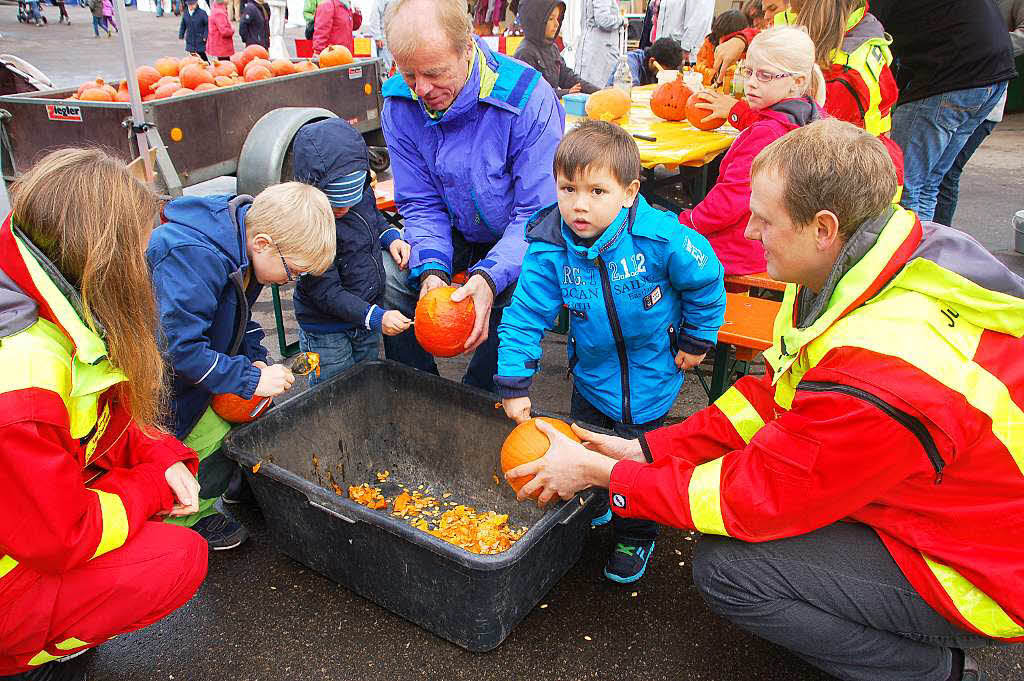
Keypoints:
pixel 971 671
pixel 221 532
pixel 67 669
pixel 238 491
pixel 628 561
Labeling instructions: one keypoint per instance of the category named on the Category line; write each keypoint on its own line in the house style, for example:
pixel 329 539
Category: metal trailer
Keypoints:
pixel 244 130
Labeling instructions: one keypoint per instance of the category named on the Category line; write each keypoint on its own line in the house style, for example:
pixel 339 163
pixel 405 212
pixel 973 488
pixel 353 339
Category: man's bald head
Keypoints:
pixel 438 24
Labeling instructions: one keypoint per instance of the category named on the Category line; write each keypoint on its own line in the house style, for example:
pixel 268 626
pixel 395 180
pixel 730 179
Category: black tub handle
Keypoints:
pixel 331 511
pixel 579 507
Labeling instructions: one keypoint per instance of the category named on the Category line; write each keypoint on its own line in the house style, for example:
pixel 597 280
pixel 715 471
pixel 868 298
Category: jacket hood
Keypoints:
pixel 797 111
pixel 217 219
pixel 326 150
pixel 533 16
pixel 18 310
pixel 867 28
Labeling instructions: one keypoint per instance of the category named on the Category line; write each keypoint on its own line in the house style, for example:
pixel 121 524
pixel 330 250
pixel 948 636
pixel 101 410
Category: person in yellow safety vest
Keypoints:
pixel 86 470
pixel 866 492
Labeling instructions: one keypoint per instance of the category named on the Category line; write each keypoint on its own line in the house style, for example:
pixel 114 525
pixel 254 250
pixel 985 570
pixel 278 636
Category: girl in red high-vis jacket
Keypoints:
pixel 86 472
pixel 783 92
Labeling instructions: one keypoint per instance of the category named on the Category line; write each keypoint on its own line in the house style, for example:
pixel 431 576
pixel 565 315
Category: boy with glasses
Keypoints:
pixel 210 261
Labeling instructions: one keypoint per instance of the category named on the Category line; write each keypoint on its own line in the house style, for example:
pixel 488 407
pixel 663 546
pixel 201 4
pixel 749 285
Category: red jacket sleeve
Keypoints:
pixel 357 19
pixel 810 467
pixel 52 520
pixel 323 21
pixel 223 25
pixel 728 202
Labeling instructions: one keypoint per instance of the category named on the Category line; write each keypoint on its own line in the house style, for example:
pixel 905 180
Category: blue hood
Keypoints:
pixel 326 150
pixel 222 217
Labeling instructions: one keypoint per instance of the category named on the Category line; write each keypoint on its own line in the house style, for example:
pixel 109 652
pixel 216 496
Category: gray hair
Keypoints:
pixel 452 19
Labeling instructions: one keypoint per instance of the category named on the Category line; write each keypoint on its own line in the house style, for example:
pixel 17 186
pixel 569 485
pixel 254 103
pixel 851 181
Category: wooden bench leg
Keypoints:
pixel 720 373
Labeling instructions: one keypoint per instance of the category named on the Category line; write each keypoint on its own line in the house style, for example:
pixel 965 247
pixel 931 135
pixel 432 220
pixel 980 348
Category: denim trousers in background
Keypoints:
pixel 931 132
pixel 582 410
pixel 949 188
pixel 339 351
pixel 835 598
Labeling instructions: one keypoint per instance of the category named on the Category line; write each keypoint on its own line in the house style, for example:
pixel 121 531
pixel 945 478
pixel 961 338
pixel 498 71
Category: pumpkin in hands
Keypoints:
pixel 695 115
pixel 443 327
pixel 669 99
pixel 526 443
pixel 235 409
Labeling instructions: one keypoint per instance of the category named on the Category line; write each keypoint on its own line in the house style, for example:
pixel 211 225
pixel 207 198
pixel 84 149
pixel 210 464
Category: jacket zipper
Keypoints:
pixel 378 266
pixel 911 423
pixel 243 314
pixel 620 343
pixel 572 360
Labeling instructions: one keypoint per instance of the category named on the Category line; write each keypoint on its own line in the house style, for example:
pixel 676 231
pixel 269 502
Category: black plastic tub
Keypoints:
pixel 384 416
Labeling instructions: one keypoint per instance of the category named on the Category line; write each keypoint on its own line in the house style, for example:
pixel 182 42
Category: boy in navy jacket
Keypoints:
pixel 338 312
pixel 645 298
pixel 209 262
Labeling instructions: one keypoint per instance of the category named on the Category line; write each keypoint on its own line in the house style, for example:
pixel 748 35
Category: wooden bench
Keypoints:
pixel 761 280
pixel 746 332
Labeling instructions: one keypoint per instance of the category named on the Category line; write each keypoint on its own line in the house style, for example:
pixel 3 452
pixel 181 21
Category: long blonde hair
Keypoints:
pixel 825 21
pixel 789 49
pixel 84 210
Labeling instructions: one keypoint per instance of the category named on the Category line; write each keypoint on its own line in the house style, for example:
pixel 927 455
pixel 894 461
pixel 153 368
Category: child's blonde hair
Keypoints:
pixel 299 219
pixel 790 49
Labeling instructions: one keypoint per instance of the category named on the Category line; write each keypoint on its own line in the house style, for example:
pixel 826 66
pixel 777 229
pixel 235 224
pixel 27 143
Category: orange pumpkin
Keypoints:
pixel 240 60
pixel 255 51
pixel 695 115
pixel 335 55
pixel 167 66
pixel 96 94
pixel 147 76
pixel 166 90
pixel 193 75
pixel 668 100
pixel 442 327
pixel 165 80
pixel 268 65
pixel 87 85
pixel 607 105
pixel 223 81
pixel 206 87
pixel 235 409
pixel 526 443
pixel 188 61
pixel 182 91
pixel 305 66
pixel 282 67
pixel 224 68
pixel 122 93
pixel 255 72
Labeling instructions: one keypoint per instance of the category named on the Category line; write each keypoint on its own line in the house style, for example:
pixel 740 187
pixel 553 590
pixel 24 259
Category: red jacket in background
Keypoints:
pixel 723 214
pixel 220 42
pixel 333 24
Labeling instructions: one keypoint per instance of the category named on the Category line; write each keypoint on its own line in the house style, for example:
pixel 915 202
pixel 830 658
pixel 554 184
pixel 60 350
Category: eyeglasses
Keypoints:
pixel 287 270
pixel 761 75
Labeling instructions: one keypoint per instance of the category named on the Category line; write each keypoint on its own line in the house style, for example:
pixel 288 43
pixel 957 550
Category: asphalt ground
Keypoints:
pixel 262 616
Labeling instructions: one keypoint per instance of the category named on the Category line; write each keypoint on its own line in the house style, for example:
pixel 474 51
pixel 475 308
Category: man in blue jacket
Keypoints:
pixel 472 135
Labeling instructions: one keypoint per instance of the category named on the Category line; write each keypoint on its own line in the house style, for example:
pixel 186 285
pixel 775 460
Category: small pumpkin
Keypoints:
pixel 165 91
pixel 240 60
pixel 257 51
pixel 669 99
pixel 282 67
pixel 306 65
pixel 224 81
pixel 206 87
pixel 255 72
pixel 607 105
pixel 695 115
pixel 442 327
pixel 167 66
pixel 235 409
pixel 224 68
pixel 335 55
pixel 193 75
pixel 147 76
pixel 97 94
pixel 526 443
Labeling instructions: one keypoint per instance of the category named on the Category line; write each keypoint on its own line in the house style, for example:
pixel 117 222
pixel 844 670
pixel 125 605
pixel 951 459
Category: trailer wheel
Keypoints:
pixel 266 155
pixel 380 159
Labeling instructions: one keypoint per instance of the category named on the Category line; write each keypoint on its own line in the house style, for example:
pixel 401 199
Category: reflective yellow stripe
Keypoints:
pixel 891 325
pixel 741 414
pixel 974 604
pixel 101 427
pixel 869 59
pixel 115 522
pixel 706 498
pixel 42 657
pixel 6 565
pixel 71 644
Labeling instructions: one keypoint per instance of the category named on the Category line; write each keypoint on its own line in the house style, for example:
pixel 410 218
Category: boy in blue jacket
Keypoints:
pixel 339 312
pixel 645 299
pixel 209 262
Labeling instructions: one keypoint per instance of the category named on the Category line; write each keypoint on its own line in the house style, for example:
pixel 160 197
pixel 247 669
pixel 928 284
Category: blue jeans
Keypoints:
pixel 835 598
pixel 932 131
pixel 339 351
pixel 949 189
pixel 97 24
pixel 159 11
pixel 581 409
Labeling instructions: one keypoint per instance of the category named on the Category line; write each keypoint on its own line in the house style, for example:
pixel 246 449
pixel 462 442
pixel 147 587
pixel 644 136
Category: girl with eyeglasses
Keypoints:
pixel 785 90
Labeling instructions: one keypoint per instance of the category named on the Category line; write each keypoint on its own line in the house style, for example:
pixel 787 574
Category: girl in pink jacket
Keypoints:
pixel 784 91
pixel 333 24
pixel 220 41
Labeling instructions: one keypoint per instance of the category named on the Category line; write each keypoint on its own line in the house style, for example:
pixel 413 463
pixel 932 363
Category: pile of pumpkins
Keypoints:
pixel 171 77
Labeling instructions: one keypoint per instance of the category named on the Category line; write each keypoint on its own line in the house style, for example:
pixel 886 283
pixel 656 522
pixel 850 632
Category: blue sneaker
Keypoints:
pixel 602 519
pixel 628 561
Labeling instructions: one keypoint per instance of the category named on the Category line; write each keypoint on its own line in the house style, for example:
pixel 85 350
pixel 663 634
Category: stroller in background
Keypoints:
pixel 25 13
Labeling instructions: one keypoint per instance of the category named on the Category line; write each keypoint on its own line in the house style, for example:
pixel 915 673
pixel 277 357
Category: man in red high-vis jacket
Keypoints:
pixel 867 492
